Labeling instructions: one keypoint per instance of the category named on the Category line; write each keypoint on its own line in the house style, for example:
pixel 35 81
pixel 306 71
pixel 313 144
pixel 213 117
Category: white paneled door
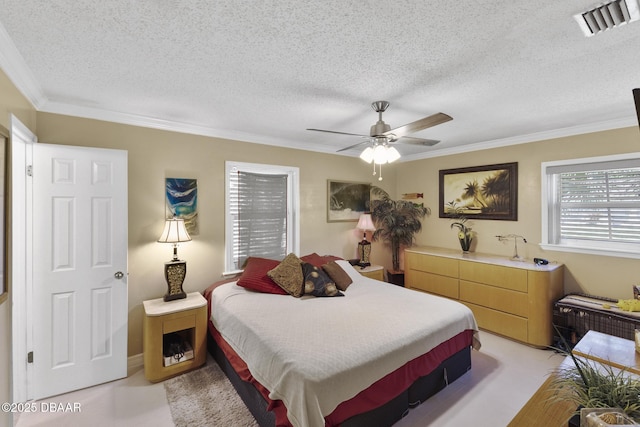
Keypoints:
pixel 79 268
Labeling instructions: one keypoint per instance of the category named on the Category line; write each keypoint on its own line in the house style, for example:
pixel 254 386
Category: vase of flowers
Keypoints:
pixel 465 234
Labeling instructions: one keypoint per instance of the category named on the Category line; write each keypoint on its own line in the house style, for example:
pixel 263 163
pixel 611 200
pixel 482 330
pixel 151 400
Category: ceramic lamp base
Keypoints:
pixel 174 273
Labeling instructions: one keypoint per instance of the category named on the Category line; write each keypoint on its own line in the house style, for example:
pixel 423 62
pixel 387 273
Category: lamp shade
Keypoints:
pixel 365 223
pixel 392 154
pixel 380 154
pixel 174 231
pixel 367 155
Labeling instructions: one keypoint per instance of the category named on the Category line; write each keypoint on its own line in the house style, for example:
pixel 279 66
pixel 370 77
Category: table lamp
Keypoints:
pixel 365 224
pixel 175 270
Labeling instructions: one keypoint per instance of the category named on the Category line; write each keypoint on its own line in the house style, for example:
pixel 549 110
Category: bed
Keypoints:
pixel 361 359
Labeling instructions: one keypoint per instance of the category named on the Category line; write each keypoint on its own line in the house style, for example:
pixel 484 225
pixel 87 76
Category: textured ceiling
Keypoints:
pixel 264 71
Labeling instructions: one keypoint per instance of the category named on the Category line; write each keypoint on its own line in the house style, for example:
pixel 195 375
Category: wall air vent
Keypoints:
pixel 608 16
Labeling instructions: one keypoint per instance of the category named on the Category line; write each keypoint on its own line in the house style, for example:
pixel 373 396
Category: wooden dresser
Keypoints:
pixel 511 298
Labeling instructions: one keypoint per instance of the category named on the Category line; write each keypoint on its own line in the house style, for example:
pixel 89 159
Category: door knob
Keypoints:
pixel 119 275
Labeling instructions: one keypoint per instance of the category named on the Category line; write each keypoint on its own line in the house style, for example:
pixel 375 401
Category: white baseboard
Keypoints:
pixel 134 363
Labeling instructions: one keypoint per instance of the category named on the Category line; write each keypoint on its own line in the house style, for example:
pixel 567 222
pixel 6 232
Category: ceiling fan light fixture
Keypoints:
pixel 380 154
pixel 367 155
pixel 392 154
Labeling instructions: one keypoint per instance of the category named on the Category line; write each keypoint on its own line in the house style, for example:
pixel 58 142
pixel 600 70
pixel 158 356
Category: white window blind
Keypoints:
pixel 261 213
pixel 593 205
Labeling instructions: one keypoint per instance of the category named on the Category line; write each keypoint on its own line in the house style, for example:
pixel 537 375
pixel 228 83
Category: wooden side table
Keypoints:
pixel 373 272
pixel 187 317
pixel 609 350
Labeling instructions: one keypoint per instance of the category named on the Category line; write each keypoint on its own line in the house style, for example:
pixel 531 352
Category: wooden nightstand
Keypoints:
pixel 373 271
pixel 187 317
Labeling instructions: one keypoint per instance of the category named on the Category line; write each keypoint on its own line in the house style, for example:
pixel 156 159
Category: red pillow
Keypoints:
pixel 255 277
pixel 317 260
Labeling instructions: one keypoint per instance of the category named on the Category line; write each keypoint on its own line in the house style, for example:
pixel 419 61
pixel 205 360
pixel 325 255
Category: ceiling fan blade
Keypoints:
pixel 353 146
pixel 339 133
pixel 636 97
pixel 418 125
pixel 417 141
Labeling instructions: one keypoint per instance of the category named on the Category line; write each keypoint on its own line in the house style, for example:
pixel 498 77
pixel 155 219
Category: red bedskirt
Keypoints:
pixel 372 397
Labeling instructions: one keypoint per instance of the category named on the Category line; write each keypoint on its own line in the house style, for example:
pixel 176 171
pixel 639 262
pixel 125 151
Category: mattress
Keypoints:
pixel 314 353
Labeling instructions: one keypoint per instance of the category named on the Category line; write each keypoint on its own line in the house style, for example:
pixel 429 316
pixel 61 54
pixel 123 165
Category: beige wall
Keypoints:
pixel 598 275
pixel 155 154
pixel 11 102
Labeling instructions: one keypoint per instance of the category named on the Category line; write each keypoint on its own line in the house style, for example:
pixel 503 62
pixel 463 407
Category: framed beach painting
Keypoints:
pixel 346 201
pixel 182 201
pixel 480 192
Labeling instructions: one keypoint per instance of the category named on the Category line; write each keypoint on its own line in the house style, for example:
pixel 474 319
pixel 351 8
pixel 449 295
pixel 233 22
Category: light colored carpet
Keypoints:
pixel 205 397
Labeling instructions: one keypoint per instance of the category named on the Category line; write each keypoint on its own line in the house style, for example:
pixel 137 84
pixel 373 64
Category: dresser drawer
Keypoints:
pixel 505 300
pixel 179 323
pixel 501 323
pixel 495 275
pixel 434 283
pixel 433 264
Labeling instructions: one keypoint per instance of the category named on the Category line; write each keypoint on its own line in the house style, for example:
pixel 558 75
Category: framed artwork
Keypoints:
pixel 347 200
pixel 480 192
pixel 181 195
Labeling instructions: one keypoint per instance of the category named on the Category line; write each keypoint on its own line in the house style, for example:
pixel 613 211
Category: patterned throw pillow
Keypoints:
pixel 338 275
pixel 255 277
pixel 288 275
pixel 318 283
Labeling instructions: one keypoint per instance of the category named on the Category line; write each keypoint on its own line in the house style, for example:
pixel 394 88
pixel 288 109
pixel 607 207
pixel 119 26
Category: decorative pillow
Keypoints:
pixel 255 276
pixel 288 275
pixel 318 260
pixel 338 275
pixel 316 282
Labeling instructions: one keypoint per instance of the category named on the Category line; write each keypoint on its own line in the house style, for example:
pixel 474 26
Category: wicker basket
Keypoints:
pixel 576 314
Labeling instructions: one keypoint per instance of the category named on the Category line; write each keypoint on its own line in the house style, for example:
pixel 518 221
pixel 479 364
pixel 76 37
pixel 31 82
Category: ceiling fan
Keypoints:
pixel 381 132
pixel 381 136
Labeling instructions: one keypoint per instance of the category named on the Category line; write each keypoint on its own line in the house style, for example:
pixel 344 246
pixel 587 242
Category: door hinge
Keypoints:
pixel 29 170
pixel 30 357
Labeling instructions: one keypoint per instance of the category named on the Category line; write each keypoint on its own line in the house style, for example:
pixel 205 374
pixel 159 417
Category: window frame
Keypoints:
pixel 549 202
pixel 293 207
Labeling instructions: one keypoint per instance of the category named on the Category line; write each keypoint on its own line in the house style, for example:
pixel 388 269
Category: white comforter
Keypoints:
pixel 314 353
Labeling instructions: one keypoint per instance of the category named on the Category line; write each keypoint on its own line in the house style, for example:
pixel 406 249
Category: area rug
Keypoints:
pixel 205 397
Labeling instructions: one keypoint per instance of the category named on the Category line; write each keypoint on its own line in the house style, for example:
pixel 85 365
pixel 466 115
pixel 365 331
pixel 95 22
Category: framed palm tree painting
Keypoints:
pixel 480 192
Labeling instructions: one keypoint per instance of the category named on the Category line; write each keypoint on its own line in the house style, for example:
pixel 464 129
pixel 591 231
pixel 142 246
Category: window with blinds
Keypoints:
pixel 261 217
pixel 593 205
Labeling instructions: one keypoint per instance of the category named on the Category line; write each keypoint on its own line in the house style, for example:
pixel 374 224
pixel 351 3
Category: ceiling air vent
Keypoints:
pixel 608 16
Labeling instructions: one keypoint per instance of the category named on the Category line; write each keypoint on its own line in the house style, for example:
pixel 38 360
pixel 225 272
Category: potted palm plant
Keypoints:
pixel 397 223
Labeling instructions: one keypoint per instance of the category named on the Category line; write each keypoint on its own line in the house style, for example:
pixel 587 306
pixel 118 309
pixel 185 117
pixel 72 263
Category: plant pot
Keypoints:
pixel 396 277
pixel 465 243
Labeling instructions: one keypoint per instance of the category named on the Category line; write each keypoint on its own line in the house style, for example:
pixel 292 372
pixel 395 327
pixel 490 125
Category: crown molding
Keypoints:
pixel 180 127
pixel 523 139
pixel 168 125
pixel 13 64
